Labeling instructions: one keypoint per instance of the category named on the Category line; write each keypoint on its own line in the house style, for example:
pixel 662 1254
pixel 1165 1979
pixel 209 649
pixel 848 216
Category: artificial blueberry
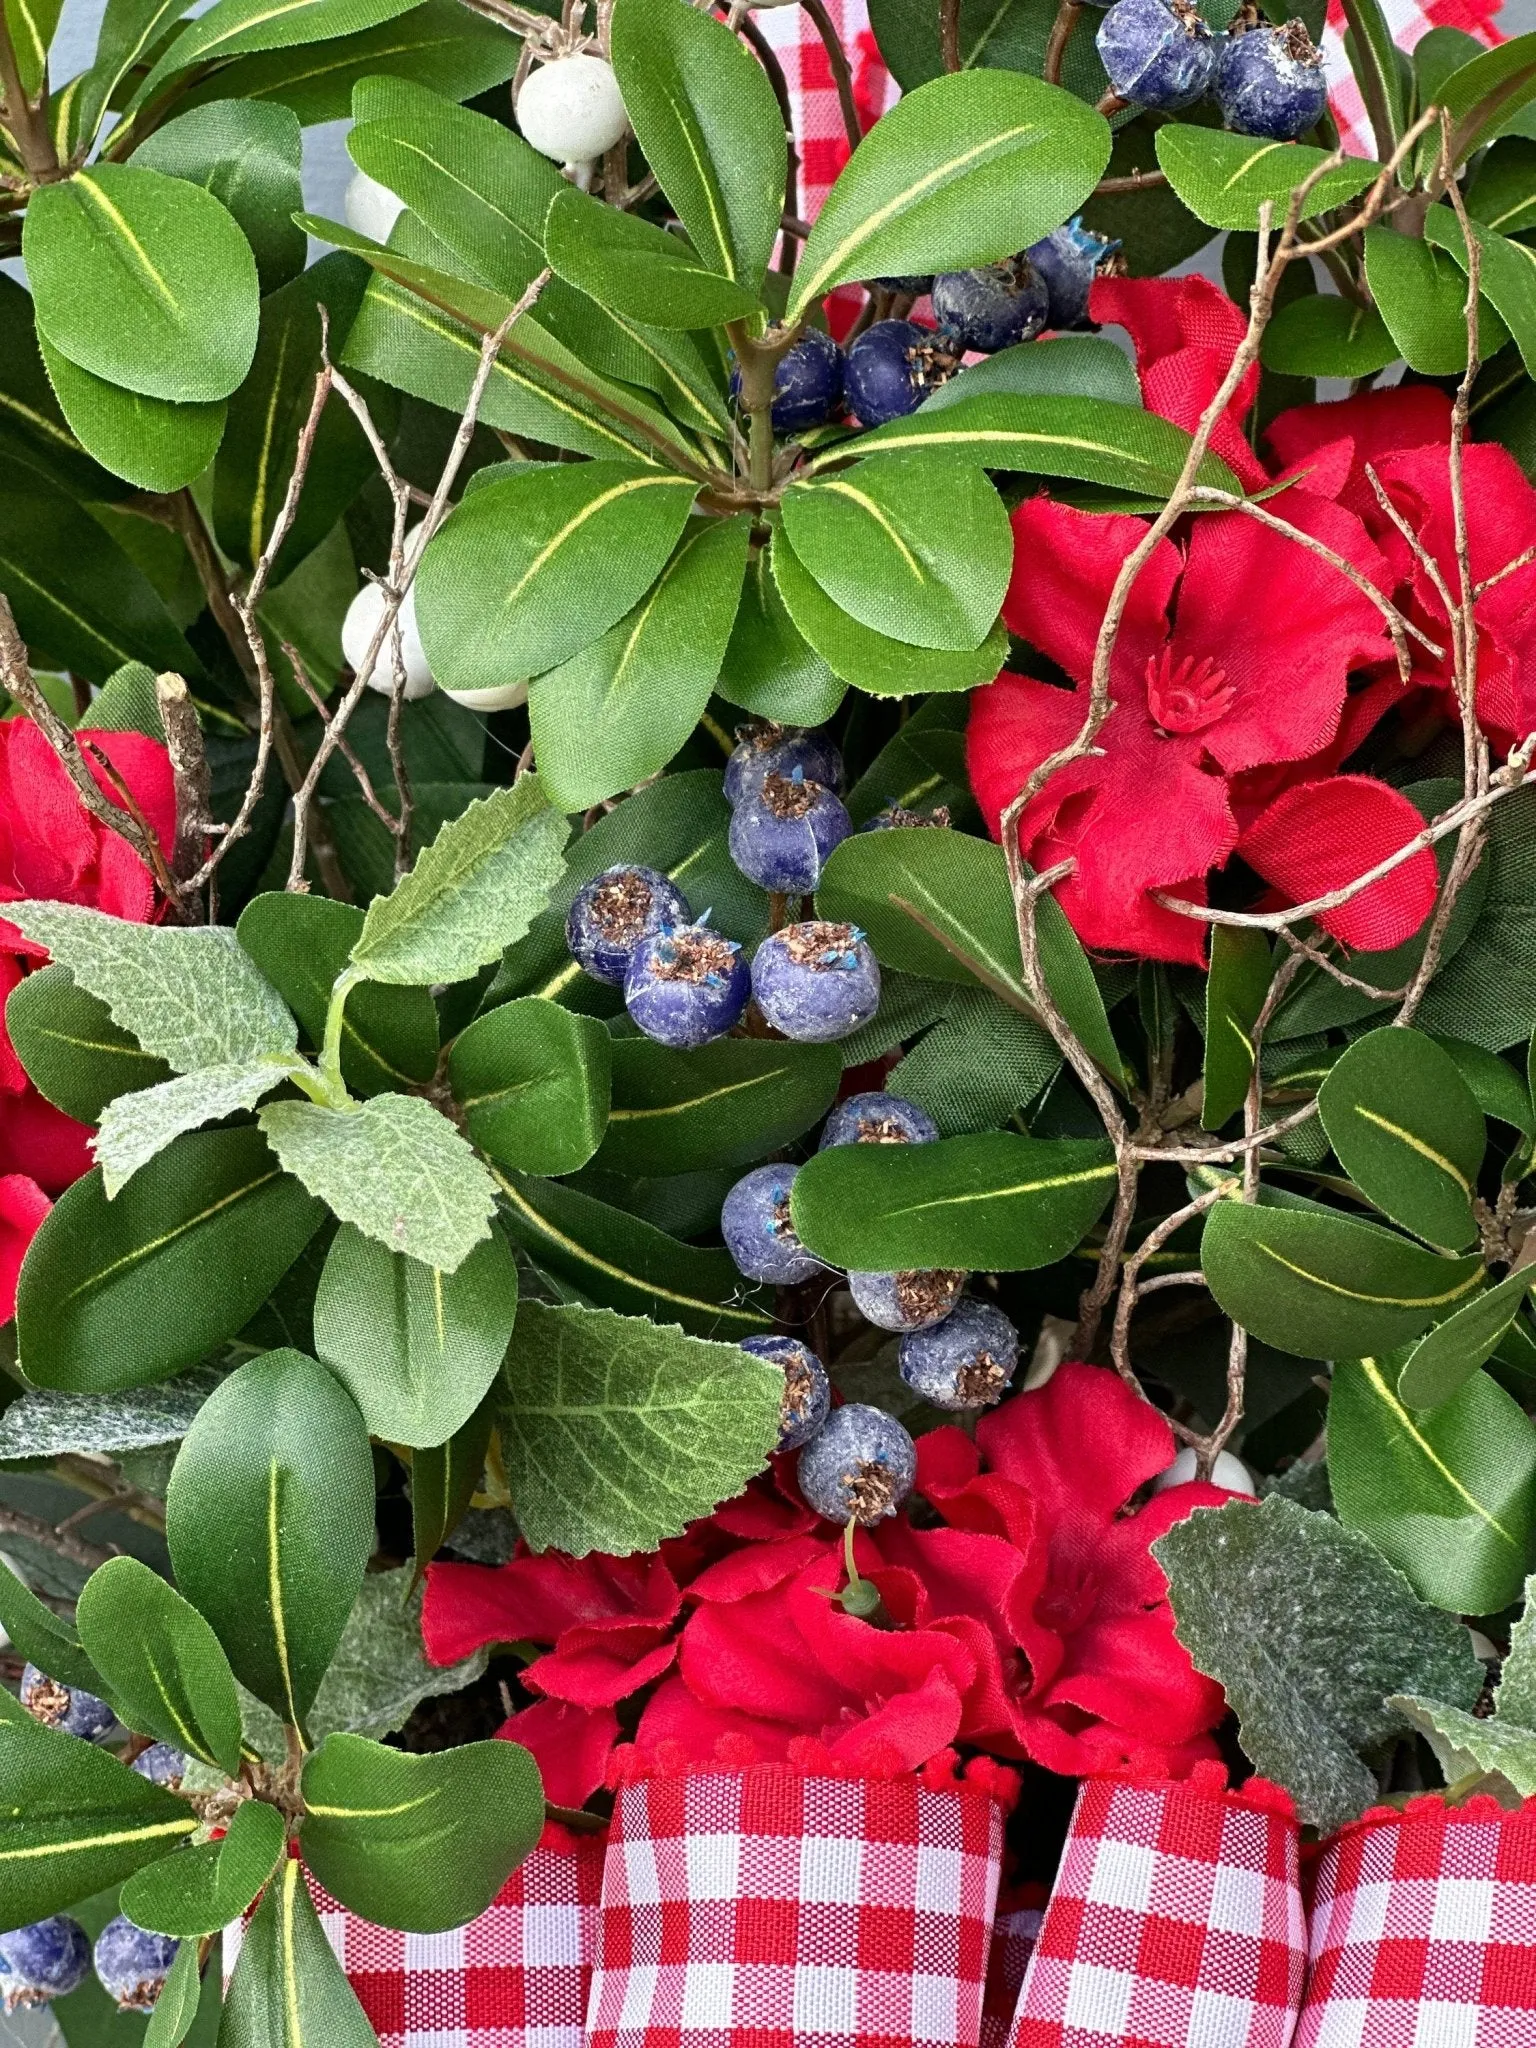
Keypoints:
pixel 763 749
pixel 162 1765
pixel 905 287
pixel 1069 259
pixel 782 833
pixel 896 817
pixel 614 912
pixel 807 383
pixel 1158 53
pixel 1270 82
pixel 861 1466
pixel 133 1964
pixel 992 307
pixel 891 369
pixel 966 1361
pixel 905 1301
pixel 686 985
pixel 47 1960
pixel 807 1391
pixel 754 1221
pixel 816 981
pixel 876 1118
pixel 66 1707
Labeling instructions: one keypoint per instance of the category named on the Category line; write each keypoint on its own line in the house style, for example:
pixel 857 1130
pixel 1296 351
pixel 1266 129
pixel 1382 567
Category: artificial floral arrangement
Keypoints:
pixel 765 1116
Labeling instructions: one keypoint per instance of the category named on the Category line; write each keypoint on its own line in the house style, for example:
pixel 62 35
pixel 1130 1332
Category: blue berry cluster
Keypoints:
pixel 1266 80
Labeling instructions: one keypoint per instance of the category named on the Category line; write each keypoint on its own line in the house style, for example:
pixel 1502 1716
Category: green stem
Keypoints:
pixel 330 1050
pixel 757 361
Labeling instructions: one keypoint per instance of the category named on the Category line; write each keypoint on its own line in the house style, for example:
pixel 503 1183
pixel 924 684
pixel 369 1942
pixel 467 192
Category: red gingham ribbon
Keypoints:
pixel 770 1909
pixel 1176 1922
pixel 1424 1931
pixel 1014 1934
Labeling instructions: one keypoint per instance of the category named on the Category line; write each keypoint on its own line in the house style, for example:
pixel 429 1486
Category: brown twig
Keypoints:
pixel 1131 181
pixel 189 774
pixel 1067 17
pixel 842 75
pixel 949 34
pixel 62 1542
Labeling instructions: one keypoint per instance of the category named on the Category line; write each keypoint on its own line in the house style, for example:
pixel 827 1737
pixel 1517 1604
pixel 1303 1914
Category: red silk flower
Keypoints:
pixel 51 847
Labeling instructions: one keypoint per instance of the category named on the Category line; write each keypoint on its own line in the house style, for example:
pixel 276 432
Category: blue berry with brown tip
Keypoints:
pixel 807 383
pixel 69 1708
pixel 967 1361
pixel 44 1961
pixel 861 1466
pixel 876 1118
pixel 758 1233
pixel 686 985
pixel 892 368
pixel 1069 259
pixel 994 306
pixel 782 832
pixel 907 1300
pixel 807 1396
pixel 162 1764
pixel 816 981
pixel 1270 82
pixel 616 910
pixel 1158 53
pixel 763 749
pixel 132 1964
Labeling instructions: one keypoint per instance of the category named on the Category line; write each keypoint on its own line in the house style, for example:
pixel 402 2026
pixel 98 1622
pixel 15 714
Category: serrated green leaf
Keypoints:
pixel 288 1990
pixel 1408 1132
pixel 1441 1363
pixel 472 893
pixel 162 1661
pixel 532 1081
pixel 1515 1697
pixel 724 1104
pixel 43 1424
pixel 1464 1744
pixel 136 1127
pixel 1308 1628
pixel 203 1888
pixel 1225 179
pixel 617 1432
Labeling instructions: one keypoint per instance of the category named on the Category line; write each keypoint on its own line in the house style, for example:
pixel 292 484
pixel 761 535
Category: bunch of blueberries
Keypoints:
pixel 53 1957
pixel 1266 80
pixel 685 984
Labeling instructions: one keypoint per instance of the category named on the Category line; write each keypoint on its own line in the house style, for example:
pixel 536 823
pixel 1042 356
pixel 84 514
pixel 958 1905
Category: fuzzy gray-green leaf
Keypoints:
pixel 135 1127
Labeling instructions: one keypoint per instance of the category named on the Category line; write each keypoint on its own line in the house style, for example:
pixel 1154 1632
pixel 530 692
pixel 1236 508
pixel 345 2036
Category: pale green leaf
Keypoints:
pixel 288 1990
pixel 135 1127
pixel 1463 1743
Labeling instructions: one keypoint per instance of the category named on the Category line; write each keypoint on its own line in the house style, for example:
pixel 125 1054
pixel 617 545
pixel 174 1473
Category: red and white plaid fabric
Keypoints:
pixel 1409 20
pixel 1176 1922
pixel 1424 1931
pixel 515 1978
pixel 770 1909
pixel 1014 1934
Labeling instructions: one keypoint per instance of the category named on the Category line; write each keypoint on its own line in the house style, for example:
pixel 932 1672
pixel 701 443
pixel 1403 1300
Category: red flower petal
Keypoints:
pixel 1186 332
pixel 23 1205
pixel 570 1745
pixel 1321 835
pixel 592 1667
pixel 1065 564
pixel 536 1599
pixel 42 1142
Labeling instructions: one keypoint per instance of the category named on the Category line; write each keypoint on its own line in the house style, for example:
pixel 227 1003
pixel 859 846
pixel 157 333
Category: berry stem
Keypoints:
pixel 758 360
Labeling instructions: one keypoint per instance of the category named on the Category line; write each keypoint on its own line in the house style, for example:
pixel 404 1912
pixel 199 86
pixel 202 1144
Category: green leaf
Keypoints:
pixel 234 27
pixel 1325 1286
pixel 707 121
pixel 1441 1363
pixel 1507 277
pixel 1515 1696
pixel 1496 1088
pixel 147 441
pixel 1483 96
pixel 769 669
pixel 1319 336
pixel 532 1081
pixel 617 712
pixel 1063 366
pixel 135 1128
pixel 201 1889
pixel 395 1167
pixel 724 1104
pixel 177 2006
pixel 605 1255
pixel 533 568
pixel 1225 179
pixel 965 170
pixel 249 157
pixel 1094 440
pixel 415 1348
pixel 914 546
pixel 1408 1131
pixel 1235 988
pixel 144 280
pixel 472 892
pixel 873 661
pixel 32 24
pixel 1501 193
pixel 444 1480
pixel 33 429
pixel 377 1819
pixel 269 1518
pixel 1446 1493
pixel 1463 1743
pixel 616 1432
pixel 978 1064
pixel 42 1424
pixel 1308 1627
pixel 128 29
pixel 634 268
pixel 992 1202
pixel 301 944
pixel 163 1662
pixel 114 1294
pixel 1422 297
pixel 288 1990
pixel 1487 993
pixel 1374 59
pixel 75 1821
pixel 73 1053
pixel 44 1638
pixel 186 992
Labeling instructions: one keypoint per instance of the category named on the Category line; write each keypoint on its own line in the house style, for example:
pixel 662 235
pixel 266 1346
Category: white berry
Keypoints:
pixel 358 629
pixel 1229 1473
pixel 571 109
pixel 371 208
pixel 499 697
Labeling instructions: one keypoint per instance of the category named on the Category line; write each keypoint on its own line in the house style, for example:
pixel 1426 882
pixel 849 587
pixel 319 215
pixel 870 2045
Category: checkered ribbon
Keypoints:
pixel 1176 1922
pixel 769 1909
pixel 1424 1931
pixel 515 1978
pixel 1014 1934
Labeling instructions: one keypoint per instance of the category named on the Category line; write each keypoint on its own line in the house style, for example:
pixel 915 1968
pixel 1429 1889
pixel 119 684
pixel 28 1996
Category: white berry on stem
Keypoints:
pixel 571 109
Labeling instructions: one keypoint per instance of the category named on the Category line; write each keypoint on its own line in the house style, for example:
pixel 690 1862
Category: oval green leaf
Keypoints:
pixel 73 1052
pixel 532 1082
pixel 636 269
pixel 1440 1364
pixel 203 1888
pixel 147 441
pixel 162 1661
pixel 1225 179
pixel 1408 1131
pixel 724 1104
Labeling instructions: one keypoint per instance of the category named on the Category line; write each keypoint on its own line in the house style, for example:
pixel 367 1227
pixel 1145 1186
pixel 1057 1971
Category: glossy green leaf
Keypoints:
pixel 1320 336
pixel 114 1294
pixel 1440 1364
pixel 168 1675
pixel 147 441
pixel 48 1640
pixel 769 669
pixel 627 264
pixel 1061 366
pixel 31 24
pixel 33 429
pixel 1496 1088
pixel 707 121
pixel 912 545
pixel 1448 1494
pixel 234 27
pixel 1507 276
pixel 1235 988
pixel 617 712
pixel 249 157
pixel 1482 96
pixel 1422 297
pixel 532 1082
pixel 616 1431
pixel 201 1889
pixel 128 30
pixel 965 170
pixel 724 1104
pixel 177 2006
pixel 874 661
pixel 288 1990
pixel 1501 193
pixel 1408 1131
pixel 378 1818
pixel 444 1480
pixel 144 280
pixel 72 1051
pixel 1374 60
pixel 415 1348
pixel 269 1518
pixel 1326 1286
pixel 1225 179
pixel 992 1202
